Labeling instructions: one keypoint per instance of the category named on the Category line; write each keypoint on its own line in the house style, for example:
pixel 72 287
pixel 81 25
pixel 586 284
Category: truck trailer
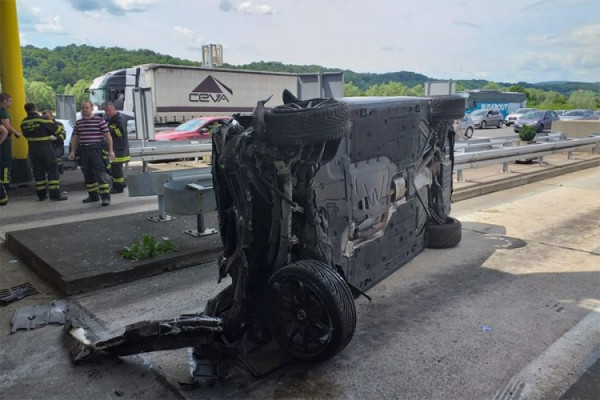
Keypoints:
pixel 180 93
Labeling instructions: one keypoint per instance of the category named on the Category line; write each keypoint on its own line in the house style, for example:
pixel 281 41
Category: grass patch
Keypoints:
pixel 147 247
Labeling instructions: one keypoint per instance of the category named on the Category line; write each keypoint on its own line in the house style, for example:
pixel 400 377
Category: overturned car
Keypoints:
pixel 318 201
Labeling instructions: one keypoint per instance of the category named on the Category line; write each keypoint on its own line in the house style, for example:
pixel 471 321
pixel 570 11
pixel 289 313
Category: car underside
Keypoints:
pixel 318 200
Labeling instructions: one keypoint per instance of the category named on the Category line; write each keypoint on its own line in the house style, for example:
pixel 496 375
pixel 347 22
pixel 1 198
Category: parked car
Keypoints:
pixel 513 116
pixel 540 119
pixel 466 126
pixel 194 129
pixel 579 114
pixel 484 118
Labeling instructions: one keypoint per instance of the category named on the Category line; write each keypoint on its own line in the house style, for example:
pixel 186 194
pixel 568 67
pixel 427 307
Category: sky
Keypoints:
pixel 505 41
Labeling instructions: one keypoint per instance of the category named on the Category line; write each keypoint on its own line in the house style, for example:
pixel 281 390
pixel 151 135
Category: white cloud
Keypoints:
pixel 192 40
pixel 246 7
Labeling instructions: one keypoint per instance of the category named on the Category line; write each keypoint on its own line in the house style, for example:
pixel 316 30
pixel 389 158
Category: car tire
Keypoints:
pixel 540 128
pixel 307 122
pixel 483 124
pixel 446 108
pixel 499 125
pixel 443 236
pixel 309 310
pixel 469 133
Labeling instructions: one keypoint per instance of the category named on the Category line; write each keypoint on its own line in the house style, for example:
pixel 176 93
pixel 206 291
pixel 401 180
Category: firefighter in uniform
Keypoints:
pixel 90 136
pixel 118 132
pixel 40 133
pixel 3 195
pixel 59 145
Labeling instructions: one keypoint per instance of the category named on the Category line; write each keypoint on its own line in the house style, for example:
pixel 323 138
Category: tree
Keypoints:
pixel 351 90
pixel 41 94
pixel 78 90
pixel 493 86
pixel 583 99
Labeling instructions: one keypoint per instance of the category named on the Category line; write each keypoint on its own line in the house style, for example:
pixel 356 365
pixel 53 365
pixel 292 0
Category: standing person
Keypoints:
pixel 118 132
pixel 59 144
pixel 6 146
pixel 89 135
pixel 40 133
pixel 3 195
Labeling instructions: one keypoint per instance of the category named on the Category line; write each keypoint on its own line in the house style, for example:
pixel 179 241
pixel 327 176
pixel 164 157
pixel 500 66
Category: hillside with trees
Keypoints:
pixel 71 69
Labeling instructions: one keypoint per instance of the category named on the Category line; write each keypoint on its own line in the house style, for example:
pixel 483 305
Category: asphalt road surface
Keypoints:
pixel 513 312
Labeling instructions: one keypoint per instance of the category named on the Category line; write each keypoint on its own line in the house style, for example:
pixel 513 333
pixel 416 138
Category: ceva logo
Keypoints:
pixel 210 90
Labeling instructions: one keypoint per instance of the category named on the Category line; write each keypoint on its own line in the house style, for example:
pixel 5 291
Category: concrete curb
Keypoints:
pixel 511 182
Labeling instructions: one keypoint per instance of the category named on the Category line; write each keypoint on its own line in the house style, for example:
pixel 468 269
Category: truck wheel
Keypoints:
pixel 308 121
pixel 443 236
pixel 309 310
pixel 446 108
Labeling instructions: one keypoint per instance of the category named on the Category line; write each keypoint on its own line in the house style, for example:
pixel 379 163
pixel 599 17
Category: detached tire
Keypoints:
pixel 309 310
pixel 307 122
pixel 443 236
pixel 446 108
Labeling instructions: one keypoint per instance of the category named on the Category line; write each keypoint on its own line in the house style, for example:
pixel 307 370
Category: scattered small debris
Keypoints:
pixel 13 261
pixel 486 328
pixel 16 293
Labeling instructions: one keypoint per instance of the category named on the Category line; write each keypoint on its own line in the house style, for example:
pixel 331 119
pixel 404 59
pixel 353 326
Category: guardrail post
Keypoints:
pixel 569 155
pixel 459 175
pixel 595 148
pixel 505 167
pixel 540 160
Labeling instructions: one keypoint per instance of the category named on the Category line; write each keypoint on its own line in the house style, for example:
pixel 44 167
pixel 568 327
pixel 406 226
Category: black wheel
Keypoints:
pixel 443 236
pixel 483 124
pixel 447 108
pixel 309 310
pixel 540 128
pixel 309 121
pixel 469 133
pixel 499 125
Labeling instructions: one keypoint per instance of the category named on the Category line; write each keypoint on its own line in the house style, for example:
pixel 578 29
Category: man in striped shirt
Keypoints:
pixel 91 135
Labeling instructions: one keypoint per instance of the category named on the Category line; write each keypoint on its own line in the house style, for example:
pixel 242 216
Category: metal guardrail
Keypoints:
pixel 504 155
pixel 159 151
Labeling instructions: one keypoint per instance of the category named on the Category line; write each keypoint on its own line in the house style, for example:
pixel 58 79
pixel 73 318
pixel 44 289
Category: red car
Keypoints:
pixel 194 129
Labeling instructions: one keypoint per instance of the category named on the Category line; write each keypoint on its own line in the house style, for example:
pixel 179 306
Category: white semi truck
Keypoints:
pixel 180 93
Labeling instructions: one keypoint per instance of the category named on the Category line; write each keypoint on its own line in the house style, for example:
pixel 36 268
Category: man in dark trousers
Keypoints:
pixel 90 136
pixel 59 145
pixel 6 146
pixel 118 132
pixel 3 195
pixel 40 133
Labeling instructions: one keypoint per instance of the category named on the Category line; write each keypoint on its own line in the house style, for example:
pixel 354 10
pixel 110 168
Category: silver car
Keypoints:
pixel 484 118
pixel 513 116
pixel 579 114
pixel 466 126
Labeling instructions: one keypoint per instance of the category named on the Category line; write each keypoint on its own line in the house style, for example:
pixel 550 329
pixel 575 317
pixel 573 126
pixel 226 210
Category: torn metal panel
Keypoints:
pixel 32 317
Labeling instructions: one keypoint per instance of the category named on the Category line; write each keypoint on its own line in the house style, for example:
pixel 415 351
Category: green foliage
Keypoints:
pixel 41 94
pixel 148 247
pixel 527 133
pixel 70 69
pixel 583 99
pixel 78 90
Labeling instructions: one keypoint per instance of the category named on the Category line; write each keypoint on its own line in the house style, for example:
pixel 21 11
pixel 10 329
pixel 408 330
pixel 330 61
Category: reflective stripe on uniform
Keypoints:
pixel 39 139
pixel 123 159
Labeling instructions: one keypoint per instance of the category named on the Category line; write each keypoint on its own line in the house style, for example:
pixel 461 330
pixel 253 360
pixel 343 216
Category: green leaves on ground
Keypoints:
pixel 148 247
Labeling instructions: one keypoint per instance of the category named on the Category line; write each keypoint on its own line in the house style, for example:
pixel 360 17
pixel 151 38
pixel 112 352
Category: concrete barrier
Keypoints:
pixel 576 129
